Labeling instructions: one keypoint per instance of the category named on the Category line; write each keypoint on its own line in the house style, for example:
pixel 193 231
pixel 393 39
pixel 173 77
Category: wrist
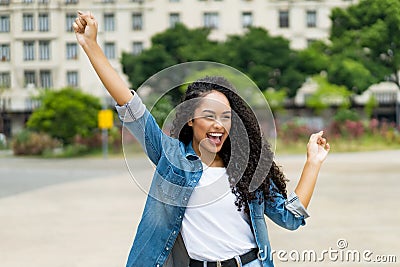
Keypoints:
pixel 90 44
pixel 314 161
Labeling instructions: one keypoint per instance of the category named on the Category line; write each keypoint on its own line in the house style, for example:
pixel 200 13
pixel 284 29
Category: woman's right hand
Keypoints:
pixel 85 27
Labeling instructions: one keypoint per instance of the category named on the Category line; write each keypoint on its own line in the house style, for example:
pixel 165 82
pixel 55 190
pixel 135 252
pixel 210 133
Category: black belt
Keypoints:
pixel 245 258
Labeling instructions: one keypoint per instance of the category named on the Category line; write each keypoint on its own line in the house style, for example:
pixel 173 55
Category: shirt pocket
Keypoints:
pixel 169 185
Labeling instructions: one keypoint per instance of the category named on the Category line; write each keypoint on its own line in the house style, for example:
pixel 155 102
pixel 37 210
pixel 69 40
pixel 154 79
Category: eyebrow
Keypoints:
pixel 210 111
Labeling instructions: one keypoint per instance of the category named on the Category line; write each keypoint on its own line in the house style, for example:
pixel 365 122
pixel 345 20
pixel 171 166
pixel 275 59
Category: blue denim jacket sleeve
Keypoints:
pixel 138 120
pixel 288 213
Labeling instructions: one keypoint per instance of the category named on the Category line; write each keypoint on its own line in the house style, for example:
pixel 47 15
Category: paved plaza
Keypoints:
pixel 84 212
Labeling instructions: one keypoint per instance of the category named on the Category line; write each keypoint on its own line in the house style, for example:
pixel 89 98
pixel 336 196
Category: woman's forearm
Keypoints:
pixel 108 76
pixel 86 28
pixel 308 179
pixel 317 151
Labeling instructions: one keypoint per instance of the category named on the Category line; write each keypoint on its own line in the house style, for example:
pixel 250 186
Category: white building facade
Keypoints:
pixel 38 48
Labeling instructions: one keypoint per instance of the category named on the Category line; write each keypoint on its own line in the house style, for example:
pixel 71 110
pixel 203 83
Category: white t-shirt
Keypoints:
pixel 212 227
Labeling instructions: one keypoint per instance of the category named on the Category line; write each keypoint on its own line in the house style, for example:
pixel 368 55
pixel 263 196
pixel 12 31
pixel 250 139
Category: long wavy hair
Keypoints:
pixel 246 155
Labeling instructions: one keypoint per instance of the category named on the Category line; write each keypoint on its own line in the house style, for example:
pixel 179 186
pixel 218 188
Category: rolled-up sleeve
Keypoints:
pixel 294 205
pixel 286 212
pixel 139 121
pixel 132 110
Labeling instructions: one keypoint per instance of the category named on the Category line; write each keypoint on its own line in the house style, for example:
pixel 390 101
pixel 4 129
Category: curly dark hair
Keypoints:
pixel 246 155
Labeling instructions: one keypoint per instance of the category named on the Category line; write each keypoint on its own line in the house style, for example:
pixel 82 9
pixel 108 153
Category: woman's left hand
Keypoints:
pixel 317 148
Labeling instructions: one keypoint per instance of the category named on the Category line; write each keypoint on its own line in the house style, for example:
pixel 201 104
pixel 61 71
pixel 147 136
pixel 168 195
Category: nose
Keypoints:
pixel 218 124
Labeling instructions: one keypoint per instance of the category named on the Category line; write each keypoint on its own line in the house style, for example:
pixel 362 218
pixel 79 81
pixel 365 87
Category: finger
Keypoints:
pixel 327 147
pixel 79 23
pixel 88 18
pixel 82 20
pixel 321 141
pixel 314 137
pixel 77 28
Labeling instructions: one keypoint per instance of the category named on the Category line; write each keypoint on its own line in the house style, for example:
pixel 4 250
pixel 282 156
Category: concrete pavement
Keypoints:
pixel 84 212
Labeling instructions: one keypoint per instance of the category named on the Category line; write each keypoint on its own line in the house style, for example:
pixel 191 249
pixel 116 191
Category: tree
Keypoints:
pixel 328 94
pixel 314 59
pixel 267 60
pixel 368 33
pixel 66 113
pixel 175 45
pixel 141 67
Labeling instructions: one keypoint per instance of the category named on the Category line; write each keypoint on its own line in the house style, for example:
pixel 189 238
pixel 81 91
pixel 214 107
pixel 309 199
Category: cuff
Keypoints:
pixel 132 110
pixel 294 205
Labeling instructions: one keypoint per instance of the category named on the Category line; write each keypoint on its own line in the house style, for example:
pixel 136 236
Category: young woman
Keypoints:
pixel 215 178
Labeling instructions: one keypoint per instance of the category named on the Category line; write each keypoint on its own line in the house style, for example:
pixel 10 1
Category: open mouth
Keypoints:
pixel 216 138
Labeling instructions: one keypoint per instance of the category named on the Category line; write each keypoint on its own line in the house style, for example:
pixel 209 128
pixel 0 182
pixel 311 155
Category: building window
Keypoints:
pixel 174 1
pixel 44 50
pixel 109 22
pixel 72 51
pixel 45 79
pixel 27 22
pixel 27 1
pixel 30 77
pixel 174 18
pixel 4 2
pixel 4 52
pixel 137 21
pixel 283 19
pixel 211 20
pixel 247 19
pixel 4 23
pixel 71 1
pixel 72 78
pixel 137 48
pixel 29 50
pixel 5 80
pixel 43 1
pixel 109 50
pixel 44 25
pixel 311 18
pixel 69 20
pixel 108 1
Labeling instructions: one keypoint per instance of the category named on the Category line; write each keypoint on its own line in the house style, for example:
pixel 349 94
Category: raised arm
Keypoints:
pixel 317 151
pixel 86 27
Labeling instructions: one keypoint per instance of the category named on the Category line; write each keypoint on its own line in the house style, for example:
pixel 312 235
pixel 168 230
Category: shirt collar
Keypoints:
pixel 190 153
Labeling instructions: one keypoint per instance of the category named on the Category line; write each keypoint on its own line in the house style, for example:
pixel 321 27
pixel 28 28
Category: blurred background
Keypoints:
pixel 65 191
pixel 329 65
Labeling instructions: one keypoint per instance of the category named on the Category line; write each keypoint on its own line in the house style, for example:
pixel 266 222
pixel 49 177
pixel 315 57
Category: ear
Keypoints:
pixel 190 123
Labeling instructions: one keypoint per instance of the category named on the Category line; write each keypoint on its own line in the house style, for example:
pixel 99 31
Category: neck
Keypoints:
pixel 214 161
pixel 209 158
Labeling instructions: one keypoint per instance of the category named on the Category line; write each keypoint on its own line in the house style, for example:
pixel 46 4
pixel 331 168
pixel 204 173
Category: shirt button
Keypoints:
pixel 185 198
pixel 180 217
pixel 158 265
pixel 174 232
pixel 167 248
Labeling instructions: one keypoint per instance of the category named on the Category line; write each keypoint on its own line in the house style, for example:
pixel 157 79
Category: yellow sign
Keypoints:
pixel 105 118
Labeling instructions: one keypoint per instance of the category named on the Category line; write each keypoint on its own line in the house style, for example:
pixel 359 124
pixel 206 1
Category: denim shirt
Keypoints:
pixel 158 241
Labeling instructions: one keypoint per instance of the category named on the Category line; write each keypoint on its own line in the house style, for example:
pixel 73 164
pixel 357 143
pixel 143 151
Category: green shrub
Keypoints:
pixel 346 115
pixel 65 114
pixel 32 143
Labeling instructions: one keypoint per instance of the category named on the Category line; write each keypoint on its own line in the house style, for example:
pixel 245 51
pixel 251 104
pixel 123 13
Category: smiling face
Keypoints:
pixel 211 124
